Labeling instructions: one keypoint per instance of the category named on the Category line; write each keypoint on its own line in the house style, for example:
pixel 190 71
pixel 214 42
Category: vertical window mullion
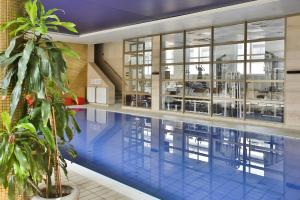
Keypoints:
pixel 211 70
pixel 184 65
pixel 245 68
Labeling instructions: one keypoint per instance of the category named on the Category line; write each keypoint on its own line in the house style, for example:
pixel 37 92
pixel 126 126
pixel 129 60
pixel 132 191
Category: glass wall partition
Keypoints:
pixel 229 71
pixel 265 70
pixel 137 72
pixel 197 71
pixel 172 71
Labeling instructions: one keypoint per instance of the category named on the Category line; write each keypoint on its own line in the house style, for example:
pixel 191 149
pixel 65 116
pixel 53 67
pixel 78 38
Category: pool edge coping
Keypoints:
pixel 260 129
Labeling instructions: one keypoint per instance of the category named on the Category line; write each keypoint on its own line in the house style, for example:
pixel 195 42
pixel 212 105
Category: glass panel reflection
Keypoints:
pixel 228 108
pixel 130 72
pixel 146 43
pixel 198 37
pixel 228 90
pixel 267 111
pixel 172 72
pixel 229 33
pixel 266 29
pixel 171 103
pixel 130 59
pixel 197 72
pixel 172 40
pixel 172 88
pixel 198 54
pixel 269 91
pixel 230 52
pixel 172 56
pixel 131 86
pixel 131 45
pixel 197 89
pixel 144 72
pixel 144 101
pixel 197 105
pixel 265 71
pixel 267 50
pixel 144 86
pixel 130 100
pixel 229 71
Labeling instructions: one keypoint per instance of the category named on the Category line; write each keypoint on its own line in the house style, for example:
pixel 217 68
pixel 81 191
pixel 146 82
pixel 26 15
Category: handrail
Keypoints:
pixel 115 72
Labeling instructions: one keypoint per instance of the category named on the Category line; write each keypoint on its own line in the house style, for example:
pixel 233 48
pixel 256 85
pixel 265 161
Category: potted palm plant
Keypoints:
pixel 21 156
pixel 35 68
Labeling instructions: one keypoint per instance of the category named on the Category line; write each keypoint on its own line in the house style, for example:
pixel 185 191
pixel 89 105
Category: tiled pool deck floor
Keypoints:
pixel 90 190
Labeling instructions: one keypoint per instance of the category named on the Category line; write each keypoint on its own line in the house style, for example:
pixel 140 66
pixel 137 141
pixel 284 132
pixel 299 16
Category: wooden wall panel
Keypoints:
pixel 77 70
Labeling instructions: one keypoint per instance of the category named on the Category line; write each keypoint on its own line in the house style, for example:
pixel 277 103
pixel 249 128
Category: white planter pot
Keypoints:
pixel 72 190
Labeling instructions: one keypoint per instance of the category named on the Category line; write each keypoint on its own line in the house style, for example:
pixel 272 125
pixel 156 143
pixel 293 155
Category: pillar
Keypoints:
pixel 292 81
pixel 9 10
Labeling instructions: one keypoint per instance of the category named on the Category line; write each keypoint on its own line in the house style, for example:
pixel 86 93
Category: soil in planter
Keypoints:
pixel 66 190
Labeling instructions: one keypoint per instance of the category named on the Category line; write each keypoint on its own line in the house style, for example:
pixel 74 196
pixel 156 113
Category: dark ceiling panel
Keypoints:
pixel 96 15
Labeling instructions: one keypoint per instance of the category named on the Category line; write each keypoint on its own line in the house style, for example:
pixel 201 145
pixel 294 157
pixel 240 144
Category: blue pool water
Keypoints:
pixel 175 160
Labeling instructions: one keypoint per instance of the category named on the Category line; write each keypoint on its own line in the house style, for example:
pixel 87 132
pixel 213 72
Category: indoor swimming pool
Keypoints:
pixel 174 160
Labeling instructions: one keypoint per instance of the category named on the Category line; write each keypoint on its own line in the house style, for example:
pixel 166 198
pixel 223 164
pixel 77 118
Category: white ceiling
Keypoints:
pixel 258 9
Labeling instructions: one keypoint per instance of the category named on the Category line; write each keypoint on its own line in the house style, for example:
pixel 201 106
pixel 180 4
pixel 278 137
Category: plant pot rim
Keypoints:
pixel 74 194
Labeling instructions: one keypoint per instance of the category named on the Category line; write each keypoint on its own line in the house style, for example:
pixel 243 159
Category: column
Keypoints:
pixel 9 10
pixel 292 81
pixel 155 73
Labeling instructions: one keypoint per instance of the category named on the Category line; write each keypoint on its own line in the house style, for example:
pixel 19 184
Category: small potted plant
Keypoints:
pixel 35 67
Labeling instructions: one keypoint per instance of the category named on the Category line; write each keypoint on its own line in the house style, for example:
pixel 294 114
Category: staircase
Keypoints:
pixel 110 72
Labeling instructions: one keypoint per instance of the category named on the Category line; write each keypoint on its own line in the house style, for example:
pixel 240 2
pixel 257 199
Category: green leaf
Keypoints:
pixel 21 158
pixel 6 153
pixel 6 81
pixel 32 11
pixel 69 133
pixel 75 124
pixel 28 5
pixel 48 136
pixel 53 17
pixel 10 60
pixel 35 113
pixel 45 63
pixel 11 188
pixel 6 120
pixel 27 126
pixel 69 52
pixel 53 28
pixel 23 28
pixel 7 25
pixel 46 111
pixel 60 122
pixel 22 67
pixel 42 29
pixel 69 26
pixel 41 8
pixel 11 46
pixel 15 97
pixel 51 11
